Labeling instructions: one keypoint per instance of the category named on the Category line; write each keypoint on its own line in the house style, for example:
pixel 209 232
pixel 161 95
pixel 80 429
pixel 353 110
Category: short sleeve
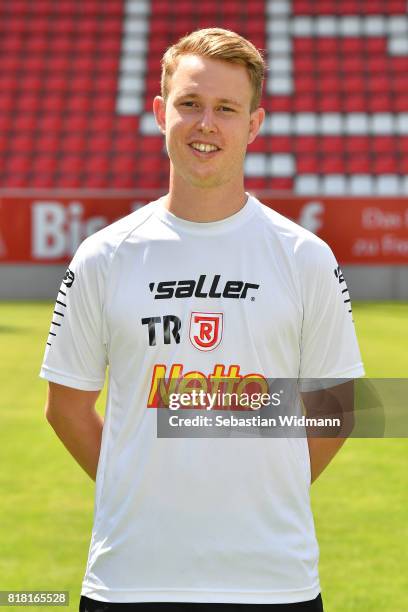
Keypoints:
pixel 76 354
pixel 329 347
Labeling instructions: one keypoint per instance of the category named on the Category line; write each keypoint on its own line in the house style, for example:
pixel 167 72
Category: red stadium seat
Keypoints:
pixel 327 45
pixel 18 164
pixel 109 46
pixel 4 141
pixel 306 144
pixel 111 25
pixel 73 143
pixel 44 164
pixel 306 84
pixel 96 181
pixel 281 184
pixel 352 64
pixel 327 64
pixel 48 143
pixel 127 164
pixel 78 103
pixel 70 164
pixel 130 125
pixel 254 183
pixel 304 103
pixel 21 143
pixel 385 164
pixel 329 103
pixel 278 104
pixel 402 146
pixel 304 46
pixel 375 64
pixel 7 102
pixel 98 142
pixel 63 44
pixel 331 144
pixel 327 84
pixel 332 164
pixel 15 180
pixel 399 102
pixel 384 144
pixel 55 83
pixel 103 104
pixel 125 143
pixel 402 165
pixel 155 144
pixel 347 7
pixel 52 102
pixel 124 181
pixel 357 144
pixel 25 122
pixel 111 8
pixel 12 42
pixel 80 84
pixel 100 122
pixel 84 64
pixel 104 84
pixel 8 82
pixel 354 103
pixel 358 164
pixel 97 164
pixel 63 26
pixel 379 103
pixel 68 180
pixel 307 164
pixel 75 122
pixel 15 24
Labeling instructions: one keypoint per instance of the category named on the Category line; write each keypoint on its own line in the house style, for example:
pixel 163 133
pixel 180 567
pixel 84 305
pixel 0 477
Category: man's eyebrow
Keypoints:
pixel 229 101
pixel 219 100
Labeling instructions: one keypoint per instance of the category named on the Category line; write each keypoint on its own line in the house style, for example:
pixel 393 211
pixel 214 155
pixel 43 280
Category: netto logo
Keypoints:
pixel 69 278
pixel 202 288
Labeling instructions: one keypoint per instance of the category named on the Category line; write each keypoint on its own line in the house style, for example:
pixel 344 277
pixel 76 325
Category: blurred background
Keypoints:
pixel 79 148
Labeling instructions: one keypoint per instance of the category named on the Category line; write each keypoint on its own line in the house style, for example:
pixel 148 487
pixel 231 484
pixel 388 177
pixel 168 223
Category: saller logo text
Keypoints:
pixel 202 288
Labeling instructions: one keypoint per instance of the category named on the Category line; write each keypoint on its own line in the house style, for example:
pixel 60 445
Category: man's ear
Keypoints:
pixel 255 122
pixel 159 109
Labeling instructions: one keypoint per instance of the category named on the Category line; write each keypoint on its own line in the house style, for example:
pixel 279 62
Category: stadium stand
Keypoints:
pixel 77 79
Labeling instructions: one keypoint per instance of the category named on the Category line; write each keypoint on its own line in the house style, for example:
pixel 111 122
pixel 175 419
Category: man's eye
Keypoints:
pixel 188 103
pixel 227 109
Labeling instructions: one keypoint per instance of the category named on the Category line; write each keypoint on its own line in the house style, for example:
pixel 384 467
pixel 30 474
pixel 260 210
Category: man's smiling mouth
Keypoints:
pixel 204 148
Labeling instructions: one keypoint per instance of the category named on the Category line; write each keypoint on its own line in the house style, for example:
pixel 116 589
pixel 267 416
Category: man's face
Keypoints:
pixel 207 121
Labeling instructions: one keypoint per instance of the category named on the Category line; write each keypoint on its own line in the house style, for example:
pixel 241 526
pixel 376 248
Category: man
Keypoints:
pixel 204 282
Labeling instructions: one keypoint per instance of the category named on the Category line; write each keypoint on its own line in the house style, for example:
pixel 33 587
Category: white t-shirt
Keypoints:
pixel 197 519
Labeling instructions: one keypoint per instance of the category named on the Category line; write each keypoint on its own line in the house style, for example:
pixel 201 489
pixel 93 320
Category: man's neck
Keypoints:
pixel 204 205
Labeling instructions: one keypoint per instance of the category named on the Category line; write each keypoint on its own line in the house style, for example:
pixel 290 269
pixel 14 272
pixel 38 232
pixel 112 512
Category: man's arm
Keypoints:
pixel 72 415
pixel 334 402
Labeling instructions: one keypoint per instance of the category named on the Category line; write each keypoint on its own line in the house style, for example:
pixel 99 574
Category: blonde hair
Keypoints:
pixel 216 43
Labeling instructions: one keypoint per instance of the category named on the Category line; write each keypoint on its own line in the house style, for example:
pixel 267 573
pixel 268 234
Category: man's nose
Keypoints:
pixel 207 121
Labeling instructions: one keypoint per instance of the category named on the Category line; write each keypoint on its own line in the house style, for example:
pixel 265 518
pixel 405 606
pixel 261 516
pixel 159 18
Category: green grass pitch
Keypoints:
pixel 360 502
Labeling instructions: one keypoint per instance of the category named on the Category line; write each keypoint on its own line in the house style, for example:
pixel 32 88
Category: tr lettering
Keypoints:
pixel 171 328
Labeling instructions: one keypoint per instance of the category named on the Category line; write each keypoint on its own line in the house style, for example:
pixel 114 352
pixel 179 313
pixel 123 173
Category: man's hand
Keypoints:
pixel 72 415
pixel 333 402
